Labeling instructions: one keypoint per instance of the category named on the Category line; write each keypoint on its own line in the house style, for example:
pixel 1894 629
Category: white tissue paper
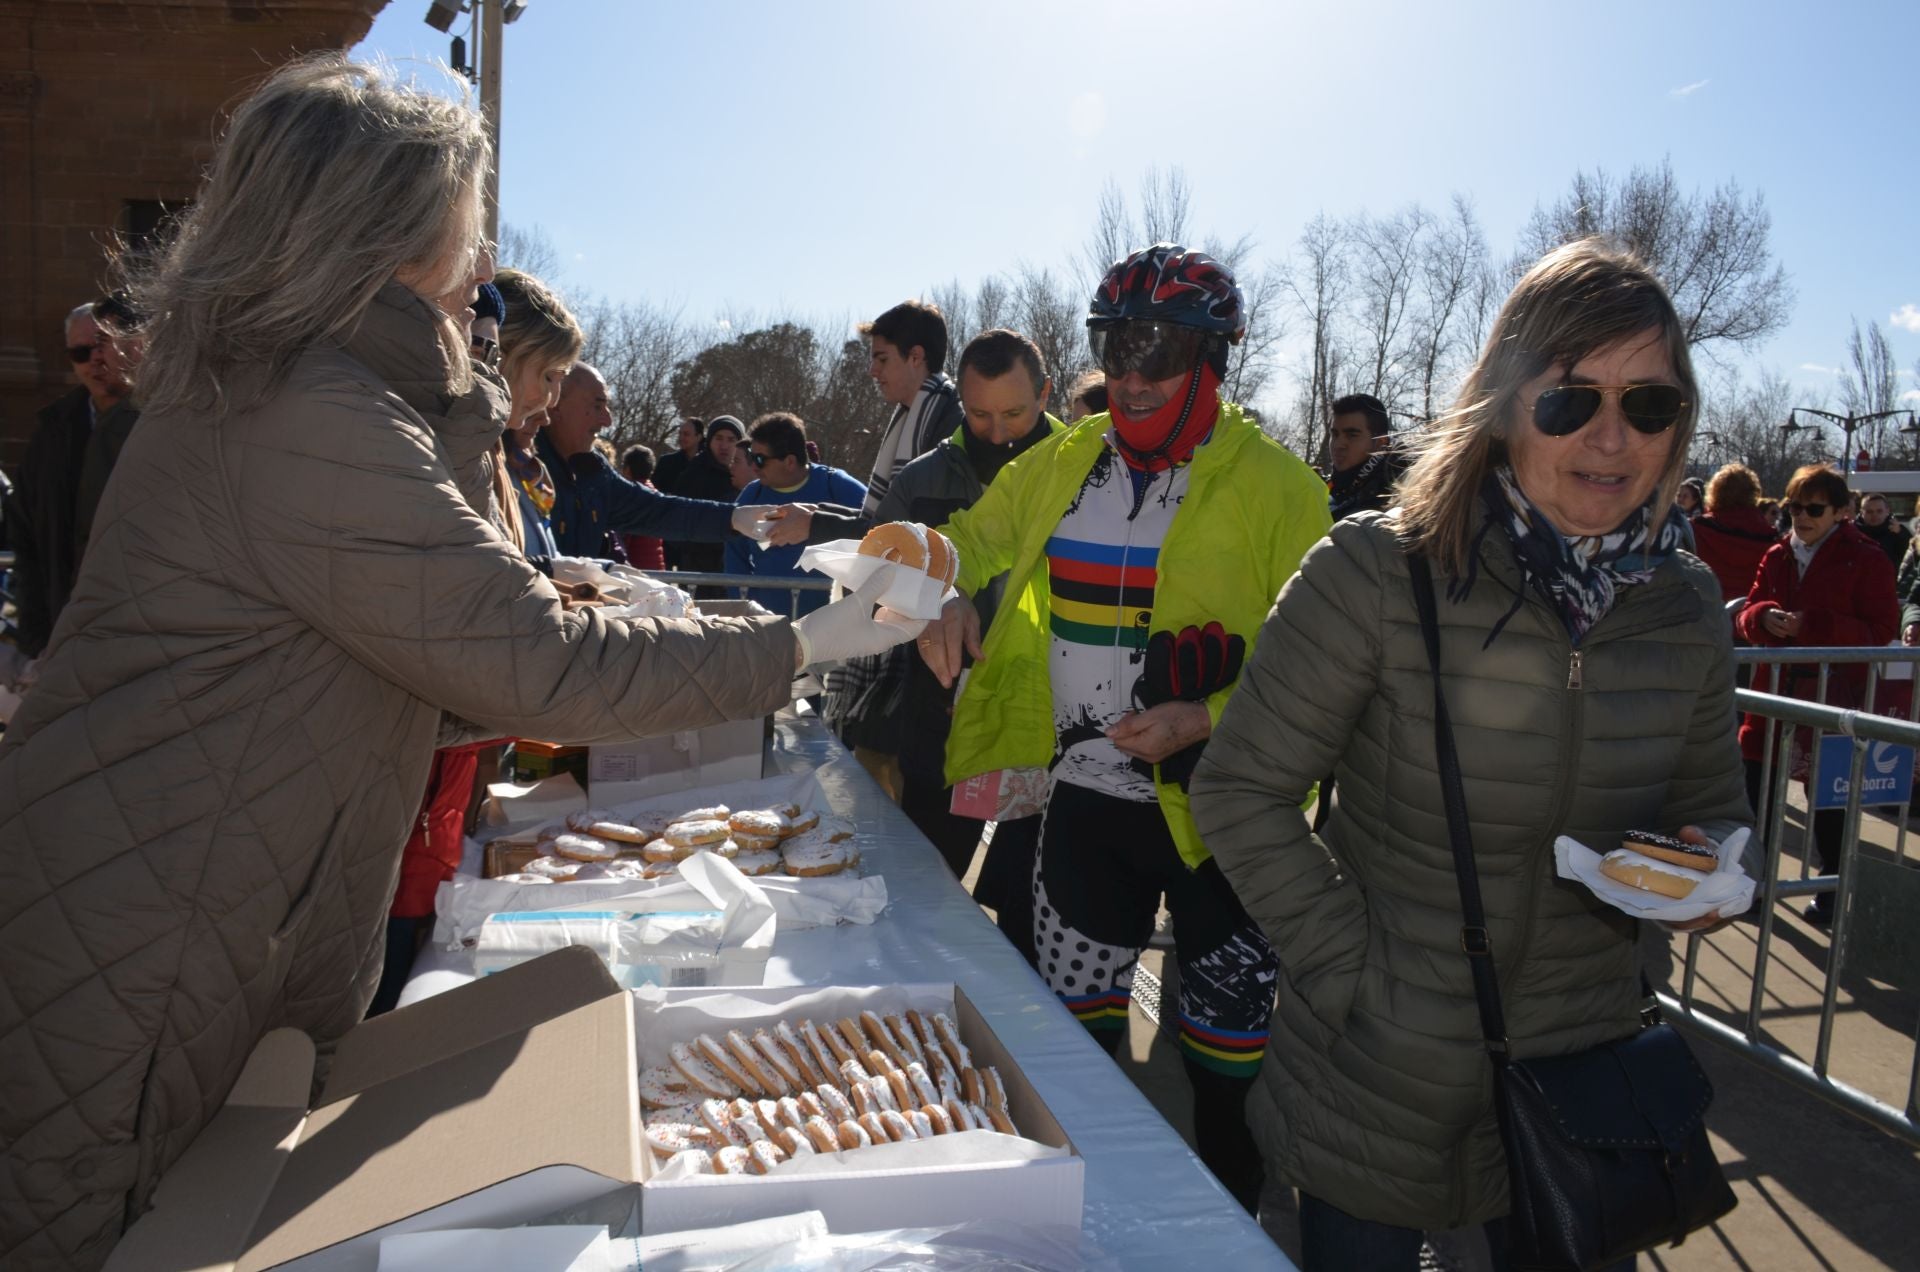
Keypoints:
pixel 909 592
pixel 1726 891
pixel 712 1249
pixel 568 1248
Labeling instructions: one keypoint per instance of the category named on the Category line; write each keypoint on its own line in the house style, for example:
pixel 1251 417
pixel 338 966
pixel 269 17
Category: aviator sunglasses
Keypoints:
pixel 1649 408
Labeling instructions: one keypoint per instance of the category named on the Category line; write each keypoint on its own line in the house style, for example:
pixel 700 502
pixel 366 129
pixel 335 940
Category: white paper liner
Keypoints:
pixel 910 592
pixel 1727 890
pixel 658 1024
pixel 463 903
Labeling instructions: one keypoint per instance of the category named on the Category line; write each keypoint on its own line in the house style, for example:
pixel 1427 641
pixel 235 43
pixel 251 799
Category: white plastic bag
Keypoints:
pixel 909 592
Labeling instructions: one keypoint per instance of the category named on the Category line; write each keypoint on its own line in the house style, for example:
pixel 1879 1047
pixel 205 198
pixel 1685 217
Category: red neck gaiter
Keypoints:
pixel 1167 437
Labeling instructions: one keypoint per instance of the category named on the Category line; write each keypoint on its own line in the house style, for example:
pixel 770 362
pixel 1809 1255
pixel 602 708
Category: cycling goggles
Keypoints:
pixel 1649 408
pixel 1157 350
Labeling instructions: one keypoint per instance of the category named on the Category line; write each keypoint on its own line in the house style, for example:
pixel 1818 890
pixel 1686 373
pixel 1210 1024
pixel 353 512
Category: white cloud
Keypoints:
pixel 1911 395
pixel 1087 114
pixel 1815 366
pixel 1688 90
pixel 1906 317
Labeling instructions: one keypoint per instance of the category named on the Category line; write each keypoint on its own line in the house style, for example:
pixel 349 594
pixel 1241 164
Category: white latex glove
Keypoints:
pixel 568 569
pixel 849 628
pixel 751 520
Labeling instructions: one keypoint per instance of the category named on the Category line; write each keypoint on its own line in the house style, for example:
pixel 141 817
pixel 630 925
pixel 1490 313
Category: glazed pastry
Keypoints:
pixel 575 847
pixel 719 812
pixel 700 1075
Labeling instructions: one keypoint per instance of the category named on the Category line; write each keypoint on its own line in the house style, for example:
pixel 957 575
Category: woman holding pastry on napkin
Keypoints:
pixel 1585 667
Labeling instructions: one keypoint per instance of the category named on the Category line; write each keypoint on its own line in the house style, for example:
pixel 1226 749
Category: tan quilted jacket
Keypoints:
pixel 1376 1093
pixel 203 801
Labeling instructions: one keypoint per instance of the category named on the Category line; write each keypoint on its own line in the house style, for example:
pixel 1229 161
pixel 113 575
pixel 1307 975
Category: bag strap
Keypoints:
pixel 1473 933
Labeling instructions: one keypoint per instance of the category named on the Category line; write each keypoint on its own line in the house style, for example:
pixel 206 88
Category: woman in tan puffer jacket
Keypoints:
pixel 1588 673
pixel 295 590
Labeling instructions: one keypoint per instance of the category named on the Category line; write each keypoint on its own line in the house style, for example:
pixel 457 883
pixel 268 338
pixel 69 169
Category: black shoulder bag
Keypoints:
pixel 1607 1150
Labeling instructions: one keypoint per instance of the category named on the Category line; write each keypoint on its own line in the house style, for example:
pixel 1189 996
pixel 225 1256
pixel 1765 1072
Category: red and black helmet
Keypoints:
pixel 1169 283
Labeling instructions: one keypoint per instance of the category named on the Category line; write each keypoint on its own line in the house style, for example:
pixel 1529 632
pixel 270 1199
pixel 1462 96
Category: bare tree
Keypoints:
pixel 1166 202
pixel 1870 383
pixel 1455 273
pixel 1386 255
pixel 1316 282
pixel 530 250
pixel 956 306
pixel 636 348
pixel 1711 250
pixel 1049 312
pixel 1741 423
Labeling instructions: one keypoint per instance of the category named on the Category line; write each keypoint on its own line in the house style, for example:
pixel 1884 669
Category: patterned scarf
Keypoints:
pixel 531 475
pixel 1580 577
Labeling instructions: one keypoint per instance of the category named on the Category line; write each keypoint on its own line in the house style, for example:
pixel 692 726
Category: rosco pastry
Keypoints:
pixel 696 833
pixel 578 847
pixel 758 861
pixel 719 812
pixel 758 823
pixel 1649 875
pixel 812 854
pixel 553 869
pixel 911 544
pixel 1675 852
pixel 597 821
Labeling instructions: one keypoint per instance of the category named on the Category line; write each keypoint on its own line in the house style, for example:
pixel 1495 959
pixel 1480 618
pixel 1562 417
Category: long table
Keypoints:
pixel 1149 1201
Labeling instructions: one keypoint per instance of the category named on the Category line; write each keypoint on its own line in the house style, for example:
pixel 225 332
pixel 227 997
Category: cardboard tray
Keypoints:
pixel 1044 1191
pixel 440 1115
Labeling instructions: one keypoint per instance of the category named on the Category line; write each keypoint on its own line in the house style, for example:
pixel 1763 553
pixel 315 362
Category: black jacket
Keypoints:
pixel 705 478
pixel 40 517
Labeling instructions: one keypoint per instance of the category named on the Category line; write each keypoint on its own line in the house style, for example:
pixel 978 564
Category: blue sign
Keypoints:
pixel 1886 778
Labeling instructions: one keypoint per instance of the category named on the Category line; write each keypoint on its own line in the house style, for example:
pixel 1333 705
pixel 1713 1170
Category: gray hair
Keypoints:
pixel 332 177
pixel 1576 299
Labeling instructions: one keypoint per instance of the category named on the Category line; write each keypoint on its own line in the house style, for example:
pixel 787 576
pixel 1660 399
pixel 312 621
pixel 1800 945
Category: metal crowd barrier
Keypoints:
pixel 691 579
pixel 1892 948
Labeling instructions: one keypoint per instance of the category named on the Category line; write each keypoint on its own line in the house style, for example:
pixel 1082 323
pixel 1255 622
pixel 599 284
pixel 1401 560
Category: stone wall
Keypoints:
pixel 108 111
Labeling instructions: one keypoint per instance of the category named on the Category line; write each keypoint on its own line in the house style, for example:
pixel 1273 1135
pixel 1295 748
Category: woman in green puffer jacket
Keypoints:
pixel 1587 669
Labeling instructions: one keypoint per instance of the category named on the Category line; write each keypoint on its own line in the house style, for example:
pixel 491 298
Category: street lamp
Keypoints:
pixel 1848 424
pixel 489 17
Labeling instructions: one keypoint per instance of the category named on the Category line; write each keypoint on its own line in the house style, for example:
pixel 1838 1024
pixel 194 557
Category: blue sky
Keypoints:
pixel 832 157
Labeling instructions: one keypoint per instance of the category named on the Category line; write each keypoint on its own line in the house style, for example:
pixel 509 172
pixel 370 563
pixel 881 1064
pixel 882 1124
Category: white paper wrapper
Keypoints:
pixel 910 592
pixel 1727 891
pixel 550 1249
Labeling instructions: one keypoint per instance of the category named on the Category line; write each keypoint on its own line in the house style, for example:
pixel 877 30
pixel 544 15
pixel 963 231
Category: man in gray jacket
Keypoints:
pixel 1003 393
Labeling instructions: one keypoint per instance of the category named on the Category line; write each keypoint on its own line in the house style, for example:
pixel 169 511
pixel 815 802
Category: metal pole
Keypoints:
pixel 1849 849
pixel 491 45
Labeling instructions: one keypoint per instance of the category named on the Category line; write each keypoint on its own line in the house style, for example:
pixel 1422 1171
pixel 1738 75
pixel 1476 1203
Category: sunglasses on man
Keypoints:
pixel 83 352
pixel 1157 350
pixel 1650 408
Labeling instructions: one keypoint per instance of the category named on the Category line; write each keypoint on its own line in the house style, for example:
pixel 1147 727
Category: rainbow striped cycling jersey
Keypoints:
pixel 1102 567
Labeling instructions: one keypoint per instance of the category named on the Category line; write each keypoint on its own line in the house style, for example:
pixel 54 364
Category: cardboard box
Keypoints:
pixel 535 761
pixel 440 1115
pixel 1045 1191
pixel 627 771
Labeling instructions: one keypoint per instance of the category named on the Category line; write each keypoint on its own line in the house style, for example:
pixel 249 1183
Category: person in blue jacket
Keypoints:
pixel 777 444
pixel 593 504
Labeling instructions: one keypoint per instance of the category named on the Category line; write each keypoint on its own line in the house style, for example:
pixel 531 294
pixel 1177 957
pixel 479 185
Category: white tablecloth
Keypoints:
pixel 1149 1201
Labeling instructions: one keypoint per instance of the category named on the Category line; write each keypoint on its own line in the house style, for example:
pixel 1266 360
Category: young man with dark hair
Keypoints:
pixel 1003 391
pixel 777 447
pixel 1365 466
pixel 908 361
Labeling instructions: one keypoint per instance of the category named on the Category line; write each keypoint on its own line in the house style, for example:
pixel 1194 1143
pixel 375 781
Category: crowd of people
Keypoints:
pixel 276 649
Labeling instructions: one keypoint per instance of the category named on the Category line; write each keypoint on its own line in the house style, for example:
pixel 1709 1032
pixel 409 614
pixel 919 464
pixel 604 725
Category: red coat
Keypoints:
pixel 1732 543
pixel 433 849
pixel 1847 598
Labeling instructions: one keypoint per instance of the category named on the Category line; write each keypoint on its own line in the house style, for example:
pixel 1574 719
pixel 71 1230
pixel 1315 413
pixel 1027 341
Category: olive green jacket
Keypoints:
pixel 1376 1091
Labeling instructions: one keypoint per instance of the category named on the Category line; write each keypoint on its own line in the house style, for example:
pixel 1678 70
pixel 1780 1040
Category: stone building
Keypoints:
pixel 108 112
